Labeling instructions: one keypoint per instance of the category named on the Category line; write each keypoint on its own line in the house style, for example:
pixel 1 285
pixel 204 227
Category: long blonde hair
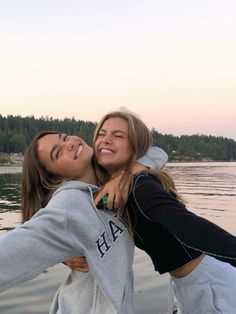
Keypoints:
pixel 140 139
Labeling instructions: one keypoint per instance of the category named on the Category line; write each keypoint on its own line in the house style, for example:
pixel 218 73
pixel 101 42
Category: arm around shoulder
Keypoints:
pixel 155 158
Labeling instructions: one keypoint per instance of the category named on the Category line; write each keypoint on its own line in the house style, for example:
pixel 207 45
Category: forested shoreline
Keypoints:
pixel 16 132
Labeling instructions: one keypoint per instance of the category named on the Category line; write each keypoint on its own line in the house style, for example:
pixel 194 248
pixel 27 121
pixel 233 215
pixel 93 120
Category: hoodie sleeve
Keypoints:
pixel 28 250
pixel 155 158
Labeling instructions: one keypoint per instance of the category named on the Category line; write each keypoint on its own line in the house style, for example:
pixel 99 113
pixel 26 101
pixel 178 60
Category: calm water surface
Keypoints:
pixel 9 188
pixel 209 188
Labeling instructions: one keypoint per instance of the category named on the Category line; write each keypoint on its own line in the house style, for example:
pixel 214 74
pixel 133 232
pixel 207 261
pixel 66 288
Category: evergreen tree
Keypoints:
pixel 16 133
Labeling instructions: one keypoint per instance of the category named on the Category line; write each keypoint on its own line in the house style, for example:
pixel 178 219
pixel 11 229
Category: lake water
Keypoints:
pixel 9 188
pixel 209 188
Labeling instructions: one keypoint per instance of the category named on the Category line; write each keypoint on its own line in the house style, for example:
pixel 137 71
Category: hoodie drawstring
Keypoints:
pixel 171 297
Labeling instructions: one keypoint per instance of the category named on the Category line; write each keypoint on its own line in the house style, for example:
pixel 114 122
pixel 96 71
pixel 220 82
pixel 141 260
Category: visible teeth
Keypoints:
pixel 106 151
pixel 79 150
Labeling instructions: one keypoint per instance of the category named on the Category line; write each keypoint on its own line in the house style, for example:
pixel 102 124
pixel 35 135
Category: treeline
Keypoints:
pixel 16 132
pixel 196 147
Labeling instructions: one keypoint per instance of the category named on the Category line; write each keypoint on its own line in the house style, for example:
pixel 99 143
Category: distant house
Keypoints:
pixel 16 158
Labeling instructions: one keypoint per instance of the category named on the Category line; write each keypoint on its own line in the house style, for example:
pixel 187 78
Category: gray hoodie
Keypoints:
pixel 71 225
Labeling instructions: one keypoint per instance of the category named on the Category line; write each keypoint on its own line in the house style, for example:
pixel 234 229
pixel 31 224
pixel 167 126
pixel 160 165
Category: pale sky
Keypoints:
pixel 171 62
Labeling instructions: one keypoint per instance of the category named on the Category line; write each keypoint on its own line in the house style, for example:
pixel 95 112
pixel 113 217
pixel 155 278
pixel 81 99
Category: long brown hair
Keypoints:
pixel 140 139
pixel 37 184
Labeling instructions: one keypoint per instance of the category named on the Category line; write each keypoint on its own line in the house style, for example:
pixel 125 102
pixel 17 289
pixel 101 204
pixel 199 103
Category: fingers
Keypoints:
pixel 109 201
pixel 115 200
pixel 99 196
pixel 84 269
pixel 77 263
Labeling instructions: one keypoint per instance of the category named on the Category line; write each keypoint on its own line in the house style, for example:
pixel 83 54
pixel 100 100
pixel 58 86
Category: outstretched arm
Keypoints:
pixel 193 231
pixel 28 250
pixel 41 242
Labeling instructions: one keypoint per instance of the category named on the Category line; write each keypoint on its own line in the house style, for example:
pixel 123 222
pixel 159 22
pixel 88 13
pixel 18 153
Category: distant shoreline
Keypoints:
pixel 16 159
pixel 169 161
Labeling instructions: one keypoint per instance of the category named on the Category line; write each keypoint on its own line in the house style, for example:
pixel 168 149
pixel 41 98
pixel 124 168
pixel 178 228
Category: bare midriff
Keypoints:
pixel 186 269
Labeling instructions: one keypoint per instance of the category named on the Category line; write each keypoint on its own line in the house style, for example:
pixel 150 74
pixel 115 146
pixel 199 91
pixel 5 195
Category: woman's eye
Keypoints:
pixel 58 154
pixel 119 136
pixel 100 135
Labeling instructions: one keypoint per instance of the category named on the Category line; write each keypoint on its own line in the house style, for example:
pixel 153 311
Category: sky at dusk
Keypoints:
pixel 173 63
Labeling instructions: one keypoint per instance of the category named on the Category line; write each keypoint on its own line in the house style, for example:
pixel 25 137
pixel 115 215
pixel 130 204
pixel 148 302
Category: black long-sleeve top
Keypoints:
pixel 170 234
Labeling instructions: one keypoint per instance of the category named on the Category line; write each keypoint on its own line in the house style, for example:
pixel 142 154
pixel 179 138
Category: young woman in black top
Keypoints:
pixel 199 255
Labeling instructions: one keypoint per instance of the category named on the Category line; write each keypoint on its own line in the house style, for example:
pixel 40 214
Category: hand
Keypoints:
pixel 116 197
pixel 77 263
pixel 112 191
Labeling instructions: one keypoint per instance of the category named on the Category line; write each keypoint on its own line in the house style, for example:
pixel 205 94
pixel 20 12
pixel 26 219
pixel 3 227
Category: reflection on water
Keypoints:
pixel 9 191
pixel 209 188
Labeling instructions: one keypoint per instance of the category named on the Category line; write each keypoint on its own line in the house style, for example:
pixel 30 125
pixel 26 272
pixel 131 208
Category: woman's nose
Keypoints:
pixel 107 139
pixel 69 145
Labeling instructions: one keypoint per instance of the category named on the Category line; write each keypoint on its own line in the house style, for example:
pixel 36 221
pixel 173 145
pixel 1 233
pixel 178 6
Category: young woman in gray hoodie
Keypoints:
pixel 61 221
